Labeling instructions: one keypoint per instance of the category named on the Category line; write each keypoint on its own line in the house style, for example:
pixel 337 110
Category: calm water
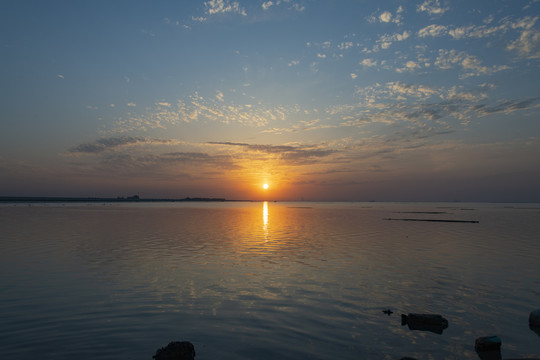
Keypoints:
pixel 265 280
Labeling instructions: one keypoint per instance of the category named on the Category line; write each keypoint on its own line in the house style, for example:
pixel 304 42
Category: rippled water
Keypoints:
pixel 265 280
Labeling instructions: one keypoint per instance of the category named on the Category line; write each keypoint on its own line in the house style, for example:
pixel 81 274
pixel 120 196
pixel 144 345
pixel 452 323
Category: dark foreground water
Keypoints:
pixel 265 280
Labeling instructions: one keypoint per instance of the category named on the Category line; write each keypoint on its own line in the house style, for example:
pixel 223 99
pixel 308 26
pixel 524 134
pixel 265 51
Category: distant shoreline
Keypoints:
pixel 130 199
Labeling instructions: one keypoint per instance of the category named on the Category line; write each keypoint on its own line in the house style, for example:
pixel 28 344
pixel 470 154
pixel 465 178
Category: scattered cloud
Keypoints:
pixel 368 62
pixel 432 7
pixel 527 45
pixel 432 30
pixel 410 66
pixel 214 7
pixel 198 108
pixel 267 4
pixel 471 65
pixel 385 41
pixel 293 63
pixel 385 16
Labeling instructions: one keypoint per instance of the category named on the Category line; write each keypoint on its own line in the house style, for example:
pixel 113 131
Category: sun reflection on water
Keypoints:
pixel 265 220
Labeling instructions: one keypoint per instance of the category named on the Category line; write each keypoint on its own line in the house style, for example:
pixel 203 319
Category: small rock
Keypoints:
pixel 428 322
pixel 176 350
pixel 487 343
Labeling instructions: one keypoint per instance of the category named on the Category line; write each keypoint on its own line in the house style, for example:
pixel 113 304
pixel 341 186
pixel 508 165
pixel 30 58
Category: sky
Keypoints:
pixel 336 100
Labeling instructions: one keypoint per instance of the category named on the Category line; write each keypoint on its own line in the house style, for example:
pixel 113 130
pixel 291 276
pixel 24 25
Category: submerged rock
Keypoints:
pixel 176 350
pixel 425 322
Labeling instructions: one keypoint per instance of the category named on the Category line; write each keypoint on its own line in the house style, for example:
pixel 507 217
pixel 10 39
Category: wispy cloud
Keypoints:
pixel 527 43
pixel 508 106
pixel 113 143
pixel 298 154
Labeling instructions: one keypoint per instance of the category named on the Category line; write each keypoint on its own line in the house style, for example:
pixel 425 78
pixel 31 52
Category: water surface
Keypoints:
pixel 266 280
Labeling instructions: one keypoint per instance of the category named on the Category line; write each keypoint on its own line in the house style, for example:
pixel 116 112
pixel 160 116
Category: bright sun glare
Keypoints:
pixel 265 186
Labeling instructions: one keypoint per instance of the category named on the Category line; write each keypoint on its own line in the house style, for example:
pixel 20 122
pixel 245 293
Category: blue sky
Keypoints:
pixel 322 100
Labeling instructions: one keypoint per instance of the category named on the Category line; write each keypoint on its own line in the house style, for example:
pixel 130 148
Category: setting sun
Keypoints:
pixel 265 186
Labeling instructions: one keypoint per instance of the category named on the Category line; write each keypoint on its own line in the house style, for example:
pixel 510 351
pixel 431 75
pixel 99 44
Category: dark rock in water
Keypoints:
pixel 486 343
pixel 176 350
pixel 488 347
pixel 534 318
pixel 407 358
pixel 388 312
pixel 425 322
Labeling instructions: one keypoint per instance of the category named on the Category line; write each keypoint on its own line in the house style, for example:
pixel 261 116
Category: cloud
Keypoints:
pixel 508 106
pixel 302 154
pixel 113 143
pixel 472 66
pixel 386 40
pixel 60 76
pixel 346 45
pixel 368 62
pixel 432 7
pixel 410 66
pixel 299 7
pixel 432 30
pixel 214 7
pixel 418 105
pixel 527 45
pixel 385 16
pixel 198 108
pixel 293 63
pixel 219 96
pixel 417 91
pixel 267 4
